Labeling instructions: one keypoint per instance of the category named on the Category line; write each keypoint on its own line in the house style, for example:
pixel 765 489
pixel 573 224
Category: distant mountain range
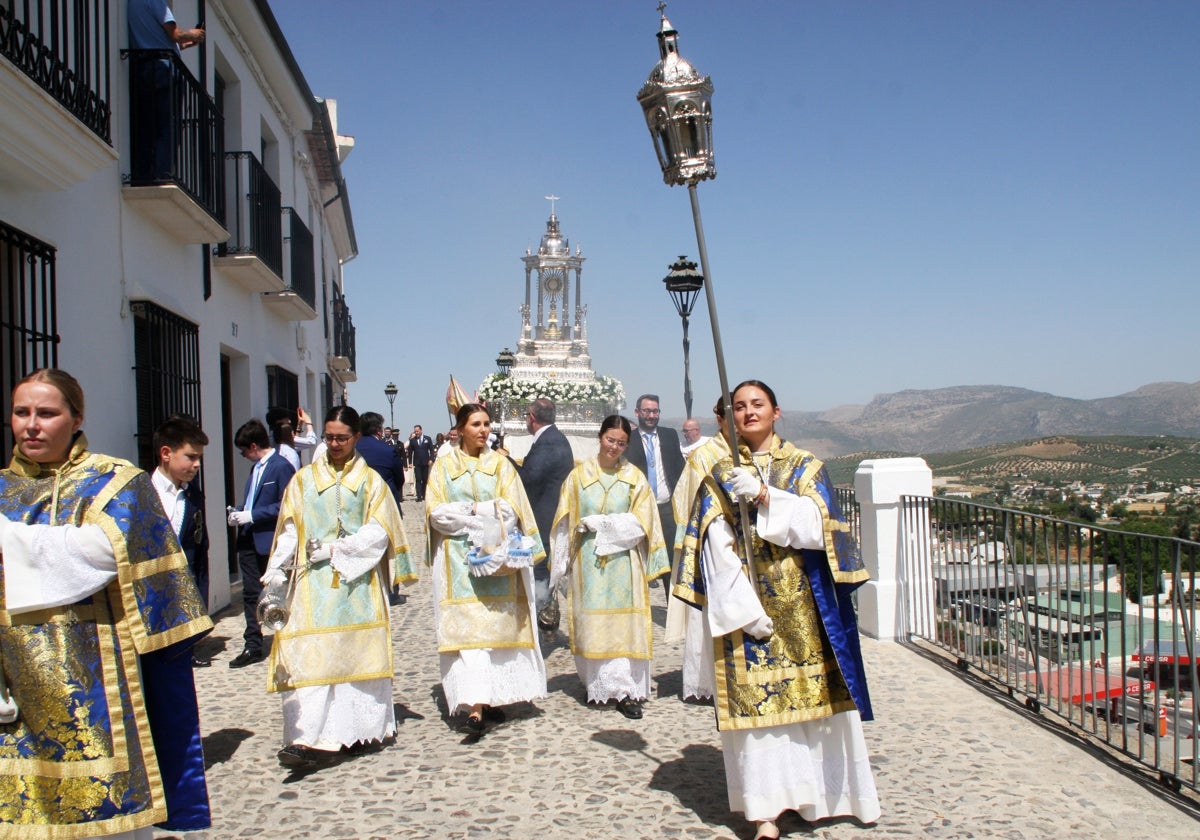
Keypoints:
pixel 970 416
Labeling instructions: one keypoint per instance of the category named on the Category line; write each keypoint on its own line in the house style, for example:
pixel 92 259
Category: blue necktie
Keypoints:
pixel 651 470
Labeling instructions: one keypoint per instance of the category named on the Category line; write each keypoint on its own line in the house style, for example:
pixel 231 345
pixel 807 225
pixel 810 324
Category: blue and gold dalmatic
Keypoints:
pixel 811 665
pixel 80 758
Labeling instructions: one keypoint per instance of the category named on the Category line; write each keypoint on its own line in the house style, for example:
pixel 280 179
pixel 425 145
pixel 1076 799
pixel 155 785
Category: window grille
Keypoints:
pixel 28 316
pixel 283 388
pixel 167 372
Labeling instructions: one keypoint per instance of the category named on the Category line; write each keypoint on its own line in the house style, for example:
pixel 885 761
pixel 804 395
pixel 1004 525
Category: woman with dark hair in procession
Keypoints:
pixel 101 733
pixel 607 541
pixel 341 538
pixel 483 610
pixel 791 692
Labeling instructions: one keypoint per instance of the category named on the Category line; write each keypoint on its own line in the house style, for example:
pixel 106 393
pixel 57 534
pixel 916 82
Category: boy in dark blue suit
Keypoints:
pixel 179 444
pixel 256 527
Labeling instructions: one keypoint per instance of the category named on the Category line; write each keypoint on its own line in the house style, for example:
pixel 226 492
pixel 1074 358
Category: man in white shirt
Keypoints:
pixel 692 439
pixel 179 444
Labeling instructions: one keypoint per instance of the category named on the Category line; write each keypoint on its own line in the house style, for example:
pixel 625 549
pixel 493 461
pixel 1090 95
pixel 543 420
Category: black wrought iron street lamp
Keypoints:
pixel 677 104
pixel 684 284
pixel 504 364
pixel 390 391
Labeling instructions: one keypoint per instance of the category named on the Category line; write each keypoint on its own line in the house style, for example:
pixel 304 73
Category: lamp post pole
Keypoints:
pixel 390 392
pixel 677 104
pixel 504 363
pixel 684 284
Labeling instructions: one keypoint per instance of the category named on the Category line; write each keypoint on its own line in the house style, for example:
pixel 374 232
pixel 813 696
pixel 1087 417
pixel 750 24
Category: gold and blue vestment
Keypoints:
pixel 80 759
pixel 608 604
pixel 811 666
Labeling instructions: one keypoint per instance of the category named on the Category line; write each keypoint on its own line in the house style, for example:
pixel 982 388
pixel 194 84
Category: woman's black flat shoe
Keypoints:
pixel 472 726
pixel 632 709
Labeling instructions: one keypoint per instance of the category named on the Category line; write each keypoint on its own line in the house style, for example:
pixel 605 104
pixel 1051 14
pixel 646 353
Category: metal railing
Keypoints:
pixel 62 45
pixel 343 329
pixel 176 130
pixel 301 278
pixel 850 509
pixel 1096 626
pixel 254 212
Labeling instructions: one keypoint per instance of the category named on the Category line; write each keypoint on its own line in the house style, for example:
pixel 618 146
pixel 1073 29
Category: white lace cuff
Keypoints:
pixel 618 532
pixel 359 553
pixel 451 518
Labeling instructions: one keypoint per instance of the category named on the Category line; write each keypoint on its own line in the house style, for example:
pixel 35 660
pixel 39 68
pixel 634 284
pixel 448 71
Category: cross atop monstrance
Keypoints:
pixel 552 199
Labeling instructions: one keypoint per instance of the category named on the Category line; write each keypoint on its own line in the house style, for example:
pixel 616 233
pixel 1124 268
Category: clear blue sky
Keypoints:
pixel 909 194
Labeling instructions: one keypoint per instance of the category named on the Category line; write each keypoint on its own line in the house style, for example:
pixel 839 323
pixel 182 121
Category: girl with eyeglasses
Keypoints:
pixel 607 542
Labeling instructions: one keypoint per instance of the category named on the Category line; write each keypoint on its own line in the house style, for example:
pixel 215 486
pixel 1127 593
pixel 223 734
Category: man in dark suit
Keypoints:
pixel 543 472
pixel 180 443
pixel 379 455
pixel 256 527
pixel 420 455
pixel 655 451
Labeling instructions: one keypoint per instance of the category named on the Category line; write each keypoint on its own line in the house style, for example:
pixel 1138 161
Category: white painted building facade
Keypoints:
pixel 207 290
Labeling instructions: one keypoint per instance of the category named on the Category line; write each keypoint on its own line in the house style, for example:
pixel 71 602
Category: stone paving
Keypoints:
pixel 950 760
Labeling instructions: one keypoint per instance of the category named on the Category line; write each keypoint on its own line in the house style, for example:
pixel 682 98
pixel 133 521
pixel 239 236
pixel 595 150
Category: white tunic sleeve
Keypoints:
pixel 790 520
pixel 285 547
pixel 451 518
pixel 54 565
pixel 732 601
pixel 356 554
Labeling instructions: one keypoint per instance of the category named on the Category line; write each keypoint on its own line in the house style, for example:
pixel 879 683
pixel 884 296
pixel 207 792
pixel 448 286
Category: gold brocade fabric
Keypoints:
pixel 338 631
pixel 479 612
pixel 608 601
pixel 794 675
pixel 79 760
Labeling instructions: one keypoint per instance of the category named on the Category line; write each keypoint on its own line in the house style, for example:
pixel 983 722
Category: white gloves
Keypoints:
pixel 239 517
pixel 8 706
pixel 745 483
pixel 760 628
pixel 321 555
pixel 273 576
pixel 593 522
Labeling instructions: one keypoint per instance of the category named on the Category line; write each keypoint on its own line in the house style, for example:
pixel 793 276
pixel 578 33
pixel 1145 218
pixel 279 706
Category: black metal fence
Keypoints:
pixel 28 317
pixel 254 212
pixel 1094 625
pixel 62 45
pixel 177 133
pixel 343 329
pixel 303 278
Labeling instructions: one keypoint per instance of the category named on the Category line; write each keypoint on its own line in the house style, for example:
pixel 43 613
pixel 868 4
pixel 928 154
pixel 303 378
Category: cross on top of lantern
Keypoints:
pixel 677 103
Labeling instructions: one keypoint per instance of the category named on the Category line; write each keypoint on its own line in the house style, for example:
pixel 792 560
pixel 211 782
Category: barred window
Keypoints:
pixel 283 388
pixel 28 317
pixel 167 372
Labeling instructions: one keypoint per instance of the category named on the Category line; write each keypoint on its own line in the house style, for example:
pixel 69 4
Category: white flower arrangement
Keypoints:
pixel 603 390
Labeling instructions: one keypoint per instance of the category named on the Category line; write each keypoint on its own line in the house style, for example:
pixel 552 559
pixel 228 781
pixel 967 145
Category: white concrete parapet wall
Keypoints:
pixel 878 485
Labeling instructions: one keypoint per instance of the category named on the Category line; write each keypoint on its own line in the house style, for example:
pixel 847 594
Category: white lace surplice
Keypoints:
pixel 614 679
pixel 329 717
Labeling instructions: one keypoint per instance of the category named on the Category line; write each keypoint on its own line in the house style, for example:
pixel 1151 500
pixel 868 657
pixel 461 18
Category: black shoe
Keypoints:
pixel 305 758
pixel 200 662
pixel 246 657
pixel 471 726
pixel 632 709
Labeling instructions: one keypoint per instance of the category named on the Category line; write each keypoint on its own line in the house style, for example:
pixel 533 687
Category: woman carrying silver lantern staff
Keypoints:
pixel 791 692
pixel 341 538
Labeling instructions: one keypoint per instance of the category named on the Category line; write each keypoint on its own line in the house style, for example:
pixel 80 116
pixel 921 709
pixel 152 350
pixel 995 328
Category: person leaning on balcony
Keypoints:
pixel 152 27
pixel 791 691
pixel 99 726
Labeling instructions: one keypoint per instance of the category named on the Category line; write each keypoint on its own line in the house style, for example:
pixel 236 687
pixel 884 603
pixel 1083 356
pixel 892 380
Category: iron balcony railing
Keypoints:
pixel 343 330
pixel 850 509
pixel 302 278
pixel 177 132
pixel 254 213
pixel 62 45
pixel 1094 625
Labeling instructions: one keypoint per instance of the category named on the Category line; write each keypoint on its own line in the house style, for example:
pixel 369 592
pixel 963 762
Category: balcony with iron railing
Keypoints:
pixel 253 254
pixel 343 360
pixel 1090 628
pixel 176 154
pixel 55 92
pixel 297 300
